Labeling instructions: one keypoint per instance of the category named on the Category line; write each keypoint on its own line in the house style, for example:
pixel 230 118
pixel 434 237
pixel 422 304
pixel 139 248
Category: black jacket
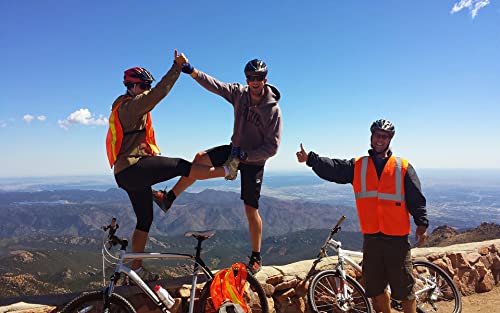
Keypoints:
pixel 342 172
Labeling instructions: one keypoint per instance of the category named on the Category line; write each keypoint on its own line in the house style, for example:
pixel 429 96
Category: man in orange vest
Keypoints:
pixel 387 191
pixel 131 149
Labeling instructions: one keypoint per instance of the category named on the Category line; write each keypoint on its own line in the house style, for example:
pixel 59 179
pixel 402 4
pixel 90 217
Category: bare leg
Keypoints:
pixel 409 306
pixel 139 239
pixel 201 158
pixel 200 172
pixel 382 303
pixel 254 227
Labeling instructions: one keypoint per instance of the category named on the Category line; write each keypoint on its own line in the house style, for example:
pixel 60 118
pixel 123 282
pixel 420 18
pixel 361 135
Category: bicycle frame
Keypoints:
pixel 343 255
pixel 199 264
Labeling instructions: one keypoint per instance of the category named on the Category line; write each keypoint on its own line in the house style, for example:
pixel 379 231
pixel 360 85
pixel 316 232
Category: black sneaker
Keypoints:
pixel 160 198
pixel 254 265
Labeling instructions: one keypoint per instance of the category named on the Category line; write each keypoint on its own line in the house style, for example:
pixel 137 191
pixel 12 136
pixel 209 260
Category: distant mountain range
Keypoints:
pixel 82 213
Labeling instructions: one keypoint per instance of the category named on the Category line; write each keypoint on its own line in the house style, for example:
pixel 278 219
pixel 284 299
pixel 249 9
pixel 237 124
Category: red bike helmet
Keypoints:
pixel 137 75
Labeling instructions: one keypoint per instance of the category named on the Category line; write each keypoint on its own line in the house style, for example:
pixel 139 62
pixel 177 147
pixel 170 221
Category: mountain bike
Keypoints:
pixel 333 291
pixel 109 301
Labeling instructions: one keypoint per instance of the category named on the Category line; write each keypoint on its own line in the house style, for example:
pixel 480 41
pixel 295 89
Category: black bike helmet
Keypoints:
pixel 256 67
pixel 384 125
pixel 137 75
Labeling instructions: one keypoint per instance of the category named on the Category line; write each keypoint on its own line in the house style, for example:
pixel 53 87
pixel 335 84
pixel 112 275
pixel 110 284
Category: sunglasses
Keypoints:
pixel 254 78
pixel 381 136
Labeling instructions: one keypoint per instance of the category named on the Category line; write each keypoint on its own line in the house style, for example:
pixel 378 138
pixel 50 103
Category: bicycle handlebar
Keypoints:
pixel 341 220
pixel 335 229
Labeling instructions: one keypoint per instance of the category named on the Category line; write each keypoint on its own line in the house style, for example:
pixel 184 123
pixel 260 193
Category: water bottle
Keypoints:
pixel 164 296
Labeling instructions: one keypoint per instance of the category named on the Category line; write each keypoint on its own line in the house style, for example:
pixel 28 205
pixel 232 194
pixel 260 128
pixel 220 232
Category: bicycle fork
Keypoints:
pixel 343 290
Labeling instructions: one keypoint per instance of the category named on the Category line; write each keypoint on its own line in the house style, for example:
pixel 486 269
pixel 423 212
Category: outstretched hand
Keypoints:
pixel 180 59
pixel 420 235
pixel 302 155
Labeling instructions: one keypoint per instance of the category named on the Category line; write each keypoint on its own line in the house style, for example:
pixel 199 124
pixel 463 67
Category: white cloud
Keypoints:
pixel 473 5
pixel 28 118
pixel 82 117
pixel 3 124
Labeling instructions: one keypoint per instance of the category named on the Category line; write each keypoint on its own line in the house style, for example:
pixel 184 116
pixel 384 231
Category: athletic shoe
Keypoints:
pixel 232 164
pixel 254 265
pixel 160 198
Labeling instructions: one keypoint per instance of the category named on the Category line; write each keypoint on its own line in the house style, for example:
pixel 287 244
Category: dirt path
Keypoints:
pixel 488 302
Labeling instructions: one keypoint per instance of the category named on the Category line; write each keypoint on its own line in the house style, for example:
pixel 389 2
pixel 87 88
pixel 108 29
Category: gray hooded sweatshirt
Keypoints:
pixel 257 128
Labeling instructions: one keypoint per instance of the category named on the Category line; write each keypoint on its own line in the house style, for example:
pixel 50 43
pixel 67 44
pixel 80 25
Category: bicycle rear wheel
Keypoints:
pixel 435 290
pixel 322 294
pixel 94 302
pixel 255 297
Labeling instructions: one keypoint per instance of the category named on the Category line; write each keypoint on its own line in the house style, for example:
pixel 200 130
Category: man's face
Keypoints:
pixel 380 140
pixel 256 84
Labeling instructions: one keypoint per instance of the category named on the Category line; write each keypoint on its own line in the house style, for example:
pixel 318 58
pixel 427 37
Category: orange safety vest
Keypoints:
pixel 115 134
pixel 228 287
pixel 381 203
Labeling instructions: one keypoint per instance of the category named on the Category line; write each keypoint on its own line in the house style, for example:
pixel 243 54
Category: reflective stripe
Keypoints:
pixel 234 298
pixel 397 196
pixel 366 194
pixel 113 133
pixel 398 173
pixel 389 196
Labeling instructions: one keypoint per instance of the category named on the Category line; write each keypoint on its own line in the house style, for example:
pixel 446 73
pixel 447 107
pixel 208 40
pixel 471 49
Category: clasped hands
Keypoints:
pixel 182 60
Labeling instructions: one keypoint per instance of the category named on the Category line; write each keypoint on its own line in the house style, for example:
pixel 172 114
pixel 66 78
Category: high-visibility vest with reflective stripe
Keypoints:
pixel 381 203
pixel 115 134
pixel 228 287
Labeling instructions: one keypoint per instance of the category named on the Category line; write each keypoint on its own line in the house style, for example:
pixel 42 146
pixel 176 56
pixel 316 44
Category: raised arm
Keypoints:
pixel 226 90
pixel 145 102
pixel 334 170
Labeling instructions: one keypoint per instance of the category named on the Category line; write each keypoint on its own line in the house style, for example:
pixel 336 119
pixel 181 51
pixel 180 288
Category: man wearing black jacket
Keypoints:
pixel 386 188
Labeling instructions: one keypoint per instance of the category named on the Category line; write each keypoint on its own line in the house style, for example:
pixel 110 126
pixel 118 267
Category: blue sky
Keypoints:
pixel 432 67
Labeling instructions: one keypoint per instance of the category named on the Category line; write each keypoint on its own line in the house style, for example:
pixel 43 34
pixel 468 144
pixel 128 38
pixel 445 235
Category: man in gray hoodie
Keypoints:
pixel 256 138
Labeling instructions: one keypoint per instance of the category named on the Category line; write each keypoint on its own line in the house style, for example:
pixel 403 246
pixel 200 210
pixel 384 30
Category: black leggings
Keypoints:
pixel 137 180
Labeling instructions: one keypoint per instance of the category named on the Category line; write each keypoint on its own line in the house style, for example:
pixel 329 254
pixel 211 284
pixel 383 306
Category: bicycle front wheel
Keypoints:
pixel 254 296
pixel 325 294
pixel 94 302
pixel 435 290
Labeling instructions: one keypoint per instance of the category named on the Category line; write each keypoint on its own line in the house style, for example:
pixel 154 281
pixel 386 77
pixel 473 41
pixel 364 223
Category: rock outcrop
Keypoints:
pixel 474 268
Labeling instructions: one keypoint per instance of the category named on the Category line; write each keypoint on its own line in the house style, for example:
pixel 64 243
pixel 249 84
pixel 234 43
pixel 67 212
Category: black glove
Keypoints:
pixel 187 68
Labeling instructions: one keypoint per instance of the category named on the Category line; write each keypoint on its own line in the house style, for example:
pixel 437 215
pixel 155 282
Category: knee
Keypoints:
pixel 252 213
pixel 200 157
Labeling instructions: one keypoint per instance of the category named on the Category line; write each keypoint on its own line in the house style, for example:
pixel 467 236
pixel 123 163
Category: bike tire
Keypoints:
pixel 445 298
pixel 94 302
pixel 254 296
pixel 322 294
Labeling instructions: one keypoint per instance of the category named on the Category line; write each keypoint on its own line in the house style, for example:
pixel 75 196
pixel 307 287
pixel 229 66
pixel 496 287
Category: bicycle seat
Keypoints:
pixel 200 234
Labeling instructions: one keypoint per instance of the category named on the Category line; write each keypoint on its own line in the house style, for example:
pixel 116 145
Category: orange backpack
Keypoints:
pixel 228 286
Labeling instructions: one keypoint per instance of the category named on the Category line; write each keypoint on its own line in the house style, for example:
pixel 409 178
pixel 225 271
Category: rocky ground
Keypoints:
pixel 488 302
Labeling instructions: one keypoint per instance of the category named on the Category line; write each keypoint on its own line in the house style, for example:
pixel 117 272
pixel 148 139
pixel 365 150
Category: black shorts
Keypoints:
pixel 387 260
pixel 137 180
pixel 251 175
